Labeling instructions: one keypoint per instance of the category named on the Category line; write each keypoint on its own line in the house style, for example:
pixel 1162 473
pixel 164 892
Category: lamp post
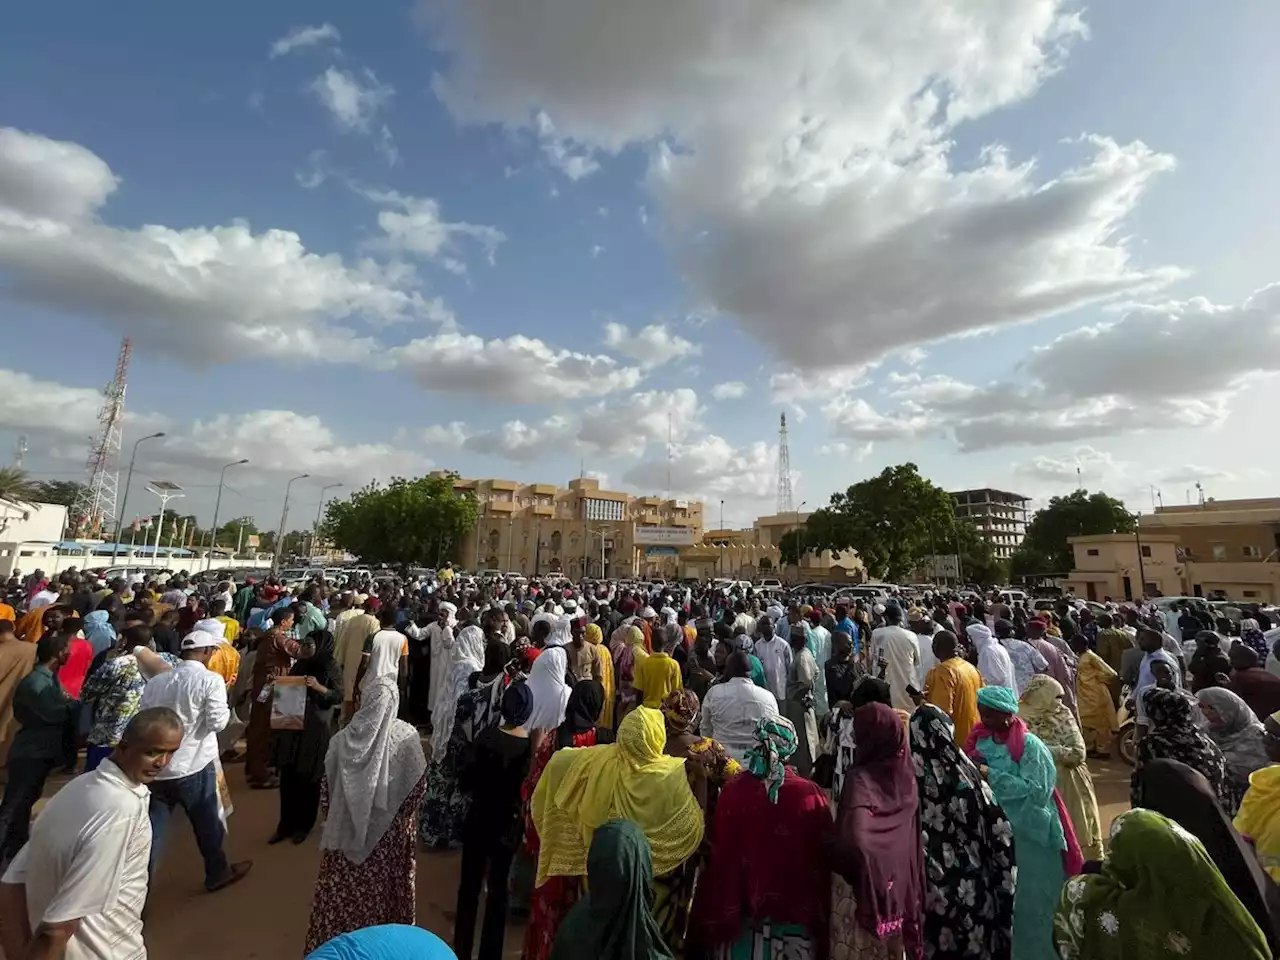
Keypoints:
pixel 315 527
pixel 166 490
pixel 284 516
pixel 1142 570
pixel 799 539
pixel 124 501
pixel 217 505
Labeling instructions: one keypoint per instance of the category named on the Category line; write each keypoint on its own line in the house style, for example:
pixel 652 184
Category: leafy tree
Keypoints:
pixel 1045 549
pixel 236 531
pixel 408 522
pixel 888 519
pixel 59 491
pixel 978 561
pixel 17 486
pixel 791 545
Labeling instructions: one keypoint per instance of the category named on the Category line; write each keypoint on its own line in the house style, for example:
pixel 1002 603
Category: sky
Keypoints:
pixel 1017 242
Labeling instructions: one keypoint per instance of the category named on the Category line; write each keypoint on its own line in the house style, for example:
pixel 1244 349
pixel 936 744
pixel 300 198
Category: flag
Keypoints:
pixel 182 533
pixel 137 524
pixel 146 523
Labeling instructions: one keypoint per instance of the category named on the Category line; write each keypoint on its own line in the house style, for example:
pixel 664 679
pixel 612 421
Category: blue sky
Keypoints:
pixel 520 241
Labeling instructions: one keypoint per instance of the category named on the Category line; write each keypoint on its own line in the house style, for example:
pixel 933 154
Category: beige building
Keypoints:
pixel 1221 531
pixel 753 553
pixel 579 530
pixel 1122 567
pixel 1000 516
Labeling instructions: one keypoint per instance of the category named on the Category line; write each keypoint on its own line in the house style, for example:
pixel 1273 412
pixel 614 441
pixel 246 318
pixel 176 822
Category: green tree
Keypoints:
pixel 407 522
pixel 63 492
pixel 790 546
pixel 17 486
pixel 890 519
pixel 1045 549
pixel 978 561
pixel 236 531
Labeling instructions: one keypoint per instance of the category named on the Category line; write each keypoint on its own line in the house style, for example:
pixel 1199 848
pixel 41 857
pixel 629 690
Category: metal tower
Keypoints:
pixel 20 451
pixel 784 470
pixel 95 505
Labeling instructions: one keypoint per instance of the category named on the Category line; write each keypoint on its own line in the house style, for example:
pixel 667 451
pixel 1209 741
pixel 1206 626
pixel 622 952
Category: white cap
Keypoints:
pixel 199 640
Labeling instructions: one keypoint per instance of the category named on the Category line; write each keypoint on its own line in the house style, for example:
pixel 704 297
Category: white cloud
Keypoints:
pixel 629 424
pixel 28 404
pixel 596 250
pixel 730 390
pixel 415 226
pixel 352 100
pixel 1092 464
pixel 521 442
pixel 302 37
pixel 709 467
pixel 839 448
pixel 797 388
pixel 651 346
pixel 204 294
pixel 517 368
pixel 802 155
pixel 561 152
pixel 452 434
pixel 914 356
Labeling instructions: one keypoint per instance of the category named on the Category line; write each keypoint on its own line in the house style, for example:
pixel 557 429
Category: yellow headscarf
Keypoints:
pixel 595 636
pixel 582 789
pixel 1041 704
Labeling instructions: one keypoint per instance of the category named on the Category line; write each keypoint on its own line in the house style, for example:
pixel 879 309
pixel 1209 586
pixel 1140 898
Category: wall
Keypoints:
pixel 1258 582
pixel 1103 562
pixel 32 522
pixel 1229 525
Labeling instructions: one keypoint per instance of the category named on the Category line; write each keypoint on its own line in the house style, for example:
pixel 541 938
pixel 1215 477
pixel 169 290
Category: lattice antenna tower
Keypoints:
pixel 20 451
pixel 95 506
pixel 784 469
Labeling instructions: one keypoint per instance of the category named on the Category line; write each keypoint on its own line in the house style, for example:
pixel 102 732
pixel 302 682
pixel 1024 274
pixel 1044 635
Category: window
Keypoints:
pixel 1146 551
pixel 1091 552
pixel 1252 552
pixel 1251 593
pixel 1219 552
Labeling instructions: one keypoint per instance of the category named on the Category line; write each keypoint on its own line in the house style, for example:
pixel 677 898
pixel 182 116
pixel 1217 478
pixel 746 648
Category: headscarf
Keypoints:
pixel 582 712
pixel 320 664
pixel 876 841
pixel 970 866
pixel 1173 735
pixel 680 708
pixel 614 920
pixel 392 941
pixel 595 637
pixel 560 635
pixel 1251 635
pixel 1014 738
pixel 550 691
pixel 1045 711
pixel 582 789
pixel 1158 895
pixel 775 743
pixel 384 661
pixel 870 689
pixel 994 662
pixel 373 764
pixel 466 657
pixel 1185 797
pixel 1242 739
pixel 100 633
pixel 517 704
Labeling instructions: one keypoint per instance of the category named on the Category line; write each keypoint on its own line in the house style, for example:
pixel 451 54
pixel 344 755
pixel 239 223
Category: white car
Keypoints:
pixel 769 585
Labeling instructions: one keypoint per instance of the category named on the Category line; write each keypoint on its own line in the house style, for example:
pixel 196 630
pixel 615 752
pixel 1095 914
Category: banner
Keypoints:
pixel 664 536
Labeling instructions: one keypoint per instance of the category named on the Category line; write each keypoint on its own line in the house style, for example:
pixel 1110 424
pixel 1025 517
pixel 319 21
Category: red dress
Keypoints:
pixel 72 673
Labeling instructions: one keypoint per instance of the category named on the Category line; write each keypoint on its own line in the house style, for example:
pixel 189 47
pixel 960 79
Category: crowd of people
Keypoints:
pixel 647 770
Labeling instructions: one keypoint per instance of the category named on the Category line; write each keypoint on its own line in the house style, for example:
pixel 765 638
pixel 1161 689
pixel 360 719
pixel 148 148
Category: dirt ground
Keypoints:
pixel 265 916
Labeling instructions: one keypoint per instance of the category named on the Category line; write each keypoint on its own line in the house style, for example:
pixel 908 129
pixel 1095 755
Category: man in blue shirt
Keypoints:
pixel 844 624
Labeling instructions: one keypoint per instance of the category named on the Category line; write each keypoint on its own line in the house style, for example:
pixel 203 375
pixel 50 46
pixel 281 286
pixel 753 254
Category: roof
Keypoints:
pixel 1126 538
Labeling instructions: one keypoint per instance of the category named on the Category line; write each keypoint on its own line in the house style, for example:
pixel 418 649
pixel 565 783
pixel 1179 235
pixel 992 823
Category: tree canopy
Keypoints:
pixel 1045 548
pixel 407 522
pixel 61 491
pixel 893 520
pixel 17 486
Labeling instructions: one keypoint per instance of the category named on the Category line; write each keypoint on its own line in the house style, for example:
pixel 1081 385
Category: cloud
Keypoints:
pixel 203 294
pixel 797 388
pixel 1191 474
pixel 414 226
pixel 29 405
pixel 1091 463
pixel 731 390
pixel 300 38
pixel 651 346
pixel 353 100
pixel 452 435
pixel 802 155
pixel 518 368
pixel 561 152
pixel 522 442
pixel 709 467
pixel 629 424
pixel 841 449
pixel 596 250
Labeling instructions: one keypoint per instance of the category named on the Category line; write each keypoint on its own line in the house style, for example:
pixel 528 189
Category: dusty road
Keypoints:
pixel 265 917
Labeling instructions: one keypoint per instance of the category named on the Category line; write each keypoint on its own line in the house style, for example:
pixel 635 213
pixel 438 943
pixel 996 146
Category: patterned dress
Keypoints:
pixel 114 692
pixel 444 806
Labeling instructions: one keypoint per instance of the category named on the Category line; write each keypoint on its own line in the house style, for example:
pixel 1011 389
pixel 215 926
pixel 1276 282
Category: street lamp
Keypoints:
pixel 284 516
pixel 315 527
pixel 217 505
pixel 124 501
pixel 799 539
pixel 166 490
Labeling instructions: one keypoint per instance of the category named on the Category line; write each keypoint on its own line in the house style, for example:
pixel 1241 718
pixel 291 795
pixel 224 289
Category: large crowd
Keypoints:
pixel 648 770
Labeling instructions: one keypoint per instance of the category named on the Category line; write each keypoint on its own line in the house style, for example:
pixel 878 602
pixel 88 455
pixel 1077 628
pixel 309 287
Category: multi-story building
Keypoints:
pixel 1000 516
pixel 1221 531
pixel 579 530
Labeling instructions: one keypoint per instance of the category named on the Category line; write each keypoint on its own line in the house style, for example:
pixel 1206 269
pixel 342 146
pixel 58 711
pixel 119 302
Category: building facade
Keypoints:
pixel 1222 531
pixel 1120 566
pixel 1000 516
pixel 578 530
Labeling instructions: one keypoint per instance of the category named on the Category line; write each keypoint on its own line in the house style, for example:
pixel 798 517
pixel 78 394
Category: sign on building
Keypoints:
pixel 664 536
pixel 598 509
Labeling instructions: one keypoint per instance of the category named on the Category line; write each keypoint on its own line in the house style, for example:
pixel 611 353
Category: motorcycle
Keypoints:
pixel 1126 737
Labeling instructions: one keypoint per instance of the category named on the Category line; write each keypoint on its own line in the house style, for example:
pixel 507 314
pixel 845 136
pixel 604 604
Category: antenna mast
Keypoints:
pixel 20 451
pixel 784 470
pixel 95 505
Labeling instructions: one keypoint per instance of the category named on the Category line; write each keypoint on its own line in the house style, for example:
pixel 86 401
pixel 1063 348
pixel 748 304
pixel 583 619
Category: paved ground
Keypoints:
pixel 265 916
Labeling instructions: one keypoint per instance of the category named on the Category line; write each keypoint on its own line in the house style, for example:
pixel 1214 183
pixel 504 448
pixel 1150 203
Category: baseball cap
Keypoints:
pixel 199 640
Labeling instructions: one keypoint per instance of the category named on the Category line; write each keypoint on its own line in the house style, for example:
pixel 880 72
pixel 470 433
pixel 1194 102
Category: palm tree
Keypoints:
pixel 16 486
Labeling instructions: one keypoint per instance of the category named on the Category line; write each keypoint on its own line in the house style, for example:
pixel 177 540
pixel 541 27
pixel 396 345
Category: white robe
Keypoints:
pixel 441 639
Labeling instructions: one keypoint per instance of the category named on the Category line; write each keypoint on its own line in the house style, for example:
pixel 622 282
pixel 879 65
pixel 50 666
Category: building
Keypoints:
pixel 1112 565
pixel 753 553
pixel 1221 531
pixel 29 535
pixel 1000 516
pixel 579 530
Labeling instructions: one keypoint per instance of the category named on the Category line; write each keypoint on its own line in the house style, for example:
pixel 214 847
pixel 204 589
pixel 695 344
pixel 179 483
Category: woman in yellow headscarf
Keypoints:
pixel 583 789
pixel 595 637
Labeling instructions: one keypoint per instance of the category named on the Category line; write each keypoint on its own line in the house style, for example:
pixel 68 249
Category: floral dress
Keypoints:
pixel 970 872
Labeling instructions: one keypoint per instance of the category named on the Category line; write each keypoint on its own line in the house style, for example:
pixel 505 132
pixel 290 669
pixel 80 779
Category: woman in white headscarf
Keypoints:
pixel 440 639
pixel 469 702
pixel 560 635
pixel 994 662
pixel 374 774
pixel 550 690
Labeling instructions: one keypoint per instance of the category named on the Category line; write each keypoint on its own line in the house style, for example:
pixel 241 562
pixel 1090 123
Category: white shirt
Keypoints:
pixel 775 656
pixel 927 660
pixel 42 599
pixel 901 652
pixel 731 711
pixel 199 697
pixel 87 860
pixel 385 650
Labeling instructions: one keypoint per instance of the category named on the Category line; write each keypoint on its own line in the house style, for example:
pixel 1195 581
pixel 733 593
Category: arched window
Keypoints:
pixel 556 541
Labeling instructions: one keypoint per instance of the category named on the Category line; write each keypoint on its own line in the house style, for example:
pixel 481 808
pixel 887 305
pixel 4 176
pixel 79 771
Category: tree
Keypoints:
pixel 791 545
pixel 888 519
pixel 1045 549
pixel 236 531
pixel 978 562
pixel 406 523
pixel 63 492
pixel 17 486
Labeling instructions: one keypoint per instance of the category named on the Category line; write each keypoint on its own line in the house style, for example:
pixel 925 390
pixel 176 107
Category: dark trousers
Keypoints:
pixel 26 784
pixel 197 795
pixel 299 802
pixel 486 858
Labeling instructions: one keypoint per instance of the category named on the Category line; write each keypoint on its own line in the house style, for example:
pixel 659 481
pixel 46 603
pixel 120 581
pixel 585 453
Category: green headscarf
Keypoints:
pixel 614 921
pixel 998 698
pixel 775 744
pixel 1158 897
